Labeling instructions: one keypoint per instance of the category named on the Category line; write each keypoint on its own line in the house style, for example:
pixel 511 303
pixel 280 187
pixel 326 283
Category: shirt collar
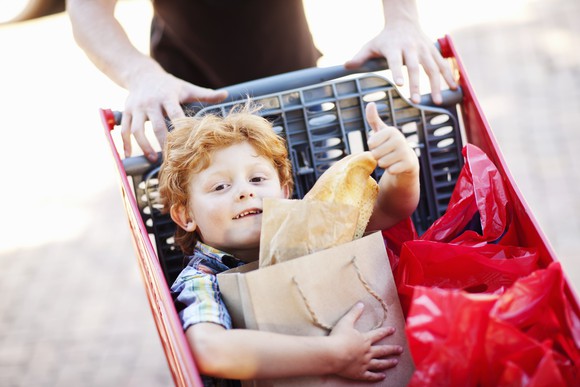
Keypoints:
pixel 223 257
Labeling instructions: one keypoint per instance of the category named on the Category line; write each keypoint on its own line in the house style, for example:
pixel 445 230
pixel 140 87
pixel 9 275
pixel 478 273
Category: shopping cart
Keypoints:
pixel 320 113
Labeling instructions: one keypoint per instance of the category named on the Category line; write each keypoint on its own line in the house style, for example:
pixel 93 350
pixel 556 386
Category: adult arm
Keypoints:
pixel 153 93
pixel 403 42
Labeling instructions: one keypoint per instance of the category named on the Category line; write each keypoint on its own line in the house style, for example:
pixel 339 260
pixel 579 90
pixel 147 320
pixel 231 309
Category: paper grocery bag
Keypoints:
pixel 308 295
pixel 294 228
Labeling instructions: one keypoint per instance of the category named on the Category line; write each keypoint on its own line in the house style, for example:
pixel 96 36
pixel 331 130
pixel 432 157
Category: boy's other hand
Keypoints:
pixel 360 357
pixel 389 146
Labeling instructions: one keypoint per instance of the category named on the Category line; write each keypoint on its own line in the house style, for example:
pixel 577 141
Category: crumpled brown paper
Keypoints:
pixel 294 228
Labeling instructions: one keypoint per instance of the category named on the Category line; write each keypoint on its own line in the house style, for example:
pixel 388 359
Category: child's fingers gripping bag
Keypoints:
pixel 479 309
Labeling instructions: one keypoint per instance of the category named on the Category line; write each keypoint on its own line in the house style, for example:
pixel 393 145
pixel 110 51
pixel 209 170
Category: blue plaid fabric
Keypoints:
pixel 195 291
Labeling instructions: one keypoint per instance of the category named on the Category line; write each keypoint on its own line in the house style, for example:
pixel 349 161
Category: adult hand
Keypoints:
pixel 402 42
pixel 153 96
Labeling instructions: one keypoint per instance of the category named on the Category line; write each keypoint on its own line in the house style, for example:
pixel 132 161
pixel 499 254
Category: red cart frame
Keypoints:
pixel 182 366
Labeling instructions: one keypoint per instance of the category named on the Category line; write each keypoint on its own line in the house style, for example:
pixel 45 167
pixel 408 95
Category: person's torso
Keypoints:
pixel 215 43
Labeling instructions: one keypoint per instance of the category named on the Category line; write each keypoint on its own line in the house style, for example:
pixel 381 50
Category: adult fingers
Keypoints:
pixel 173 110
pixel 159 125
pixel 414 71
pixel 444 68
pixel 359 58
pixel 432 71
pixel 395 63
pixel 138 131
pixel 196 93
pixel 126 133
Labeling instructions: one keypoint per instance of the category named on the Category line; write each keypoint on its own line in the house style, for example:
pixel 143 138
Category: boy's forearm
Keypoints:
pixel 105 42
pixel 398 198
pixel 249 354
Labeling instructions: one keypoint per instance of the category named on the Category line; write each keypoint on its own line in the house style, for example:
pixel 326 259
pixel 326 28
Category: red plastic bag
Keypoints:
pixel 474 269
pixel 537 307
pixel 515 339
pixel 470 246
pixel 446 330
pixel 479 199
pixel 480 311
pixel 395 237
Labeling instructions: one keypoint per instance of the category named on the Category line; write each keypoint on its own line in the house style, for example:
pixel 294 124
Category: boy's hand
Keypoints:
pixel 399 190
pixel 389 146
pixel 358 354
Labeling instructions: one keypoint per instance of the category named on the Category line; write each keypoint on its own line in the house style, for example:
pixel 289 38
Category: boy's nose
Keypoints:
pixel 245 195
pixel 246 192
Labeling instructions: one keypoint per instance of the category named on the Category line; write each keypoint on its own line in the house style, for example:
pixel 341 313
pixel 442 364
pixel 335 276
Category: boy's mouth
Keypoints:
pixel 255 211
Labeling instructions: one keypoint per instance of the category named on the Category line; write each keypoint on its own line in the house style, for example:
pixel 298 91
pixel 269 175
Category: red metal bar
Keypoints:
pixel 479 133
pixel 173 340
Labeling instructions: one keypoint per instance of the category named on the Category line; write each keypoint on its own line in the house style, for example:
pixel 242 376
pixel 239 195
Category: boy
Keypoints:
pixel 215 173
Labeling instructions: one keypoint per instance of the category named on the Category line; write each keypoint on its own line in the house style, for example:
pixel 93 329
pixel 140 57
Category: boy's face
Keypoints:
pixel 226 199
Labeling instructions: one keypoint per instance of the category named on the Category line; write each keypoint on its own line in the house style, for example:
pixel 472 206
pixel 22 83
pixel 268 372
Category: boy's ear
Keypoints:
pixel 286 192
pixel 180 216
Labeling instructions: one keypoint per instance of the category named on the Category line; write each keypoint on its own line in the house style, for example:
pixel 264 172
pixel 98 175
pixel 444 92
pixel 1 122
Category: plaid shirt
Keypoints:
pixel 195 291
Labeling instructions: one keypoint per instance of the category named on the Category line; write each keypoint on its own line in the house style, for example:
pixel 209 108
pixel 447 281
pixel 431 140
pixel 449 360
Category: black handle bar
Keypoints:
pixel 286 81
pixel 298 79
pixel 311 76
pixel 306 77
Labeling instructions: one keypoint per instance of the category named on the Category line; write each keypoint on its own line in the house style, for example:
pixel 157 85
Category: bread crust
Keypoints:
pixel 349 181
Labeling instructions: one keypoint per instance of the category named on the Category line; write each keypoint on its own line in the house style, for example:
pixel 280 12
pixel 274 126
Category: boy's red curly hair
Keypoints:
pixel 190 145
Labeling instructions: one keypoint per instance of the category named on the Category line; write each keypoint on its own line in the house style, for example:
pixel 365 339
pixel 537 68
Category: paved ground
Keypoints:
pixel 72 307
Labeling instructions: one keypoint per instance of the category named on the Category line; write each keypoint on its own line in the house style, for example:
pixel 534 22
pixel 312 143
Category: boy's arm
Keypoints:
pixel 250 354
pixel 399 185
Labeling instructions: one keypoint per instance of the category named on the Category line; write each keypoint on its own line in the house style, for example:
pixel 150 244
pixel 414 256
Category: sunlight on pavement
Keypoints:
pixel 59 160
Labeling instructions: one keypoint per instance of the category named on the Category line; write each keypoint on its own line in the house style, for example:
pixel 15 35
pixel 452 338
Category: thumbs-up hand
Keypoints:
pixel 389 146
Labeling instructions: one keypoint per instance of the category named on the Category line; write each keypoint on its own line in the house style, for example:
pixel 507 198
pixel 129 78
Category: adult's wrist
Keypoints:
pixel 137 70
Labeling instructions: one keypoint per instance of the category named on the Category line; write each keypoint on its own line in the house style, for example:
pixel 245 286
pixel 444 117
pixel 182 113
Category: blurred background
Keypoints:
pixel 73 309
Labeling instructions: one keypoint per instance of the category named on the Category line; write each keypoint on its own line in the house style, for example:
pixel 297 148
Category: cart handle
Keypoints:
pixel 281 82
pixel 310 76
pixel 298 79
pixel 306 77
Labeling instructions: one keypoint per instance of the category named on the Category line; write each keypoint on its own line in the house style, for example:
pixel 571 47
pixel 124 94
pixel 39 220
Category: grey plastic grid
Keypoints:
pixel 325 122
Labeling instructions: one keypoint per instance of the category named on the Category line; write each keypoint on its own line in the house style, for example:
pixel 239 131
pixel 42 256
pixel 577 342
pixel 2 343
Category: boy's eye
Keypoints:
pixel 257 179
pixel 219 187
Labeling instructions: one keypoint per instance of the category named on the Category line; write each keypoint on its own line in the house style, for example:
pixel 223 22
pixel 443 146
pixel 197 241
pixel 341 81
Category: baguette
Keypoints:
pixel 349 181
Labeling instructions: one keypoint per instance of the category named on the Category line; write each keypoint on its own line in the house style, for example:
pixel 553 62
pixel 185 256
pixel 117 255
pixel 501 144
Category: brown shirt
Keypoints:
pixel 215 43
